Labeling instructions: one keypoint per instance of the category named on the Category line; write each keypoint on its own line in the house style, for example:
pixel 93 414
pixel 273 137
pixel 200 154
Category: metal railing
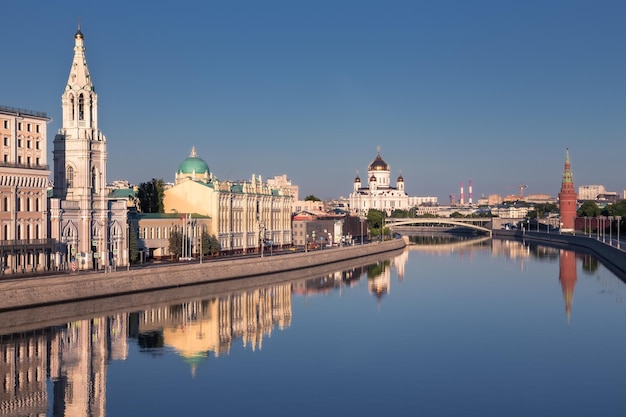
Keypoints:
pixel 25 112
pixel 6 164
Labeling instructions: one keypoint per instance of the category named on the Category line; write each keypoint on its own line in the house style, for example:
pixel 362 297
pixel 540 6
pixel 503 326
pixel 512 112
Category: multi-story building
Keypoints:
pixel 380 194
pixel 90 226
pixel 246 216
pixel 24 243
pixel 590 192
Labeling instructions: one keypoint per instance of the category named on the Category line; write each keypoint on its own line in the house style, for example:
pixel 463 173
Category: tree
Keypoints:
pixel 210 244
pixel 588 209
pixel 175 246
pixel 311 198
pixel 133 244
pixel 150 196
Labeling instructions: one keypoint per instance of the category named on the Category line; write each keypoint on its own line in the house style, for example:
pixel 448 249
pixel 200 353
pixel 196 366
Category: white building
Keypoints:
pixel 379 194
pixel 90 227
pixel 590 192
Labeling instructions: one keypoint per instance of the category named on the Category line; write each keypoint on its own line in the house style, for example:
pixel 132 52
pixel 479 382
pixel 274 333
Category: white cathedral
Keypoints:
pixel 90 227
pixel 379 194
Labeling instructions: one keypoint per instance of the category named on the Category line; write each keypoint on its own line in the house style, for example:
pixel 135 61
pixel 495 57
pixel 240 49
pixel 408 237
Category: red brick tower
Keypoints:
pixel 567 198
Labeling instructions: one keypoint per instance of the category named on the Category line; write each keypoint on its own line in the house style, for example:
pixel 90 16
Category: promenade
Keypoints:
pixel 609 255
pixel 48 290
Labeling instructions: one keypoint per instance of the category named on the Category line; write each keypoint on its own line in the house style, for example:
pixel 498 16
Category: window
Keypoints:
pixel 19 125
pixel 69 177
pixel 19 143
pixel 37 161
pixel 81 107
pixel 28 160
pixel 36 144
pixel 6 124
pixel 28 144
pixel 37 129
pixel 28 204
pixel 6 141
pixel 28 127
pixel 19 159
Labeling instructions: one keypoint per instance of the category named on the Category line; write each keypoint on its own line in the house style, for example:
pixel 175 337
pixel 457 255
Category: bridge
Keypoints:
pixel 479 223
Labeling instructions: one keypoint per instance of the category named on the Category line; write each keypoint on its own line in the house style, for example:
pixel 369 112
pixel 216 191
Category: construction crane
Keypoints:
pixel 521 189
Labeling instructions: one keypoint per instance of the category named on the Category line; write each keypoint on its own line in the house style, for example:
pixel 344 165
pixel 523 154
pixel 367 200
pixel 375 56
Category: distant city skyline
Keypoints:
pixel 487 91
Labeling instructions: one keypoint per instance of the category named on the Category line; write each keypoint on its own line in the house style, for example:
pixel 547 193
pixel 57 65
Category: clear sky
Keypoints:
pixel 451 91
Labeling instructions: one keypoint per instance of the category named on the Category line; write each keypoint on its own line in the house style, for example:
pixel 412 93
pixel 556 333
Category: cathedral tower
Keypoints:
pixel 567 198
pixel 90 227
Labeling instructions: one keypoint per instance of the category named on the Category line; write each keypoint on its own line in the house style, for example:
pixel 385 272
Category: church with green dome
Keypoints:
pixel 245 216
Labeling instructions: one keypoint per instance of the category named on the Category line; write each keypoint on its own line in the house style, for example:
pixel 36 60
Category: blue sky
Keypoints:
pixel 451 91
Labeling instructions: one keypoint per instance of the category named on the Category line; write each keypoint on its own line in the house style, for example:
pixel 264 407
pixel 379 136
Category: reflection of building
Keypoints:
pixel 23 365
pixel 197 328
pixel 567 278
pixel 90 226
pixel 75 356
pixel 567 198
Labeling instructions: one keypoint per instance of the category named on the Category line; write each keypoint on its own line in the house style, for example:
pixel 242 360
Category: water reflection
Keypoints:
pixel 74 356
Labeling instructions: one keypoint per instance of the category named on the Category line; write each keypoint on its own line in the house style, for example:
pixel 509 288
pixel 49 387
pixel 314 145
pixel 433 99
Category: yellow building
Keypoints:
pixel 247 216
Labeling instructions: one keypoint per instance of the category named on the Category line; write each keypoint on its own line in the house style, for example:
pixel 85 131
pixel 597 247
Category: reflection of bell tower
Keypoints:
pixel 567 277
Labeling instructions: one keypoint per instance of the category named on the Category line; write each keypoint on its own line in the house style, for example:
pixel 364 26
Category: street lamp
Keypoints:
pixel 619 218
pixel 610 230
pixel 306 243
pixel 313 234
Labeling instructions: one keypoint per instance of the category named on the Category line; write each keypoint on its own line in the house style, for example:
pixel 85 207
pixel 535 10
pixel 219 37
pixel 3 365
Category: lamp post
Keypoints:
pixel 610 230
pixel 306 244
pixel 619 218
pixel 313 235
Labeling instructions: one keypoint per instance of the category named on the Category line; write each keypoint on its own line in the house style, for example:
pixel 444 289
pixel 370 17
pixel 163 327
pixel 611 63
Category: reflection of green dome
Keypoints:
pixel 193 164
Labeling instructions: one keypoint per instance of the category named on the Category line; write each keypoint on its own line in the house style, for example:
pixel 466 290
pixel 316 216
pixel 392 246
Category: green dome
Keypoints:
pixel 193 164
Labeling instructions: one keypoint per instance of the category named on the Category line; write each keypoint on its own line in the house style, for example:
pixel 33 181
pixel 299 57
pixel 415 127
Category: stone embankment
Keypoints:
pixel 41 291
pixel 611 256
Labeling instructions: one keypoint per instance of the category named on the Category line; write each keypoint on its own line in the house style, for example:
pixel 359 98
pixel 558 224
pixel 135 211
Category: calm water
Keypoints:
pixel 447 329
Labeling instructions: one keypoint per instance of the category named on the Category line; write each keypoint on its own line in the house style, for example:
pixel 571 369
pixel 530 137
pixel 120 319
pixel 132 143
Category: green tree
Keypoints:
pixel 175 246
pixel 150 195
pixel 588 209
pixel 210 244
pixel 133 243
pixel 311 198
pixel 400 214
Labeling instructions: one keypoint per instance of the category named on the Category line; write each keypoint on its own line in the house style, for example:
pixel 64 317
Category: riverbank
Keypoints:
pixel 611 256
pixel 42 291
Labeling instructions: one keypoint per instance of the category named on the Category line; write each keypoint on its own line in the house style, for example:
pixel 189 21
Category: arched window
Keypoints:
pixel 72 104
pixel 81 107
pixel 37 204
pixel 27 204
pixel 69 177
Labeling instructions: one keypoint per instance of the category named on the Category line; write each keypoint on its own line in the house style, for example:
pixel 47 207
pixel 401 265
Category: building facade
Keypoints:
pixel 567 198
pixel 24 243
pixel 246 216
pixel 91 228
pixel 379 194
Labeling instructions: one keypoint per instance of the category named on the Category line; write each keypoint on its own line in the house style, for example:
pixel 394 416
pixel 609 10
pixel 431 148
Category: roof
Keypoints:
pixel 122 193
pixel 193 164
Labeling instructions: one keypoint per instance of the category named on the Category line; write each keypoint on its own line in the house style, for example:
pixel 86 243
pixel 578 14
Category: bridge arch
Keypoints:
pixel 468 223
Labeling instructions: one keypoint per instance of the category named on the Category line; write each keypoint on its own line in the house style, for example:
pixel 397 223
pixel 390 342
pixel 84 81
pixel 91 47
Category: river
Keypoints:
pixel 449 327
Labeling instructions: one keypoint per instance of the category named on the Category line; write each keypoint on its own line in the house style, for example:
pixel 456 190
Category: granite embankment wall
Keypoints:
pixel 40 291
pixel 613 258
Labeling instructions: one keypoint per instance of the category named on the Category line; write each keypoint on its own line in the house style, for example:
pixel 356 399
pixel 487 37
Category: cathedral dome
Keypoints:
pixel 373 178
pixel 378 164
pixel 357 179
pixel 400 178
pixel 193 164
